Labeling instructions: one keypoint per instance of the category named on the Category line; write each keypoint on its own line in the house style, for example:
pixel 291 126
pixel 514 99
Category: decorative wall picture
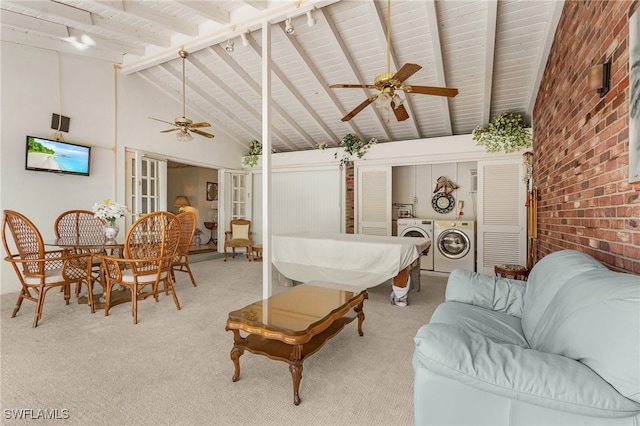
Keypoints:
pixel 634 97
pixel 212 191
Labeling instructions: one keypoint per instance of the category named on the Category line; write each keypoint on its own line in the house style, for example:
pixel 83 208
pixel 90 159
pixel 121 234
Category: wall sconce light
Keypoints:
pixel 245 39
pixel 311 20
pixel 288 27
pixel 599 78
pixel 229 46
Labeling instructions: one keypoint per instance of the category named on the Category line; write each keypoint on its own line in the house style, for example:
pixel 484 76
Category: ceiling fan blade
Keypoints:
pixel 169 130
pixel 359 108
pixel 352 86
pixel 200 124
pixel 430 90
pixel 400 111
pixel 162 121
pixel 201 133
pixel 406 71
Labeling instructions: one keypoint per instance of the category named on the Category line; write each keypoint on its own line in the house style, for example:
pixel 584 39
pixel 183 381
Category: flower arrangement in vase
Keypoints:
pixel 109 212
pixel 506 132
pixel 197 239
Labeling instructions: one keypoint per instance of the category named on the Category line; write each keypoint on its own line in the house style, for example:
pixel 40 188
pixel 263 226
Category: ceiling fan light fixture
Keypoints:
pixel 184 136
pixel 397 100
pixel 288 27
pixel 245 39
pixel 311 20
pixel 229 46
pixel 383 100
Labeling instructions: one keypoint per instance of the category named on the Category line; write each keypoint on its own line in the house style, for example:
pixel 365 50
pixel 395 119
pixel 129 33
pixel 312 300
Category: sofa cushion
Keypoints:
pixel 595 318
pixel 495 293
pixel 494 325
pixel 545 279
pixel 511 371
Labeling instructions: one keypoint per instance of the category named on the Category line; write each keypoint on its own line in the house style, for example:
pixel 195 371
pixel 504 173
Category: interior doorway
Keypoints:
pixel 194 188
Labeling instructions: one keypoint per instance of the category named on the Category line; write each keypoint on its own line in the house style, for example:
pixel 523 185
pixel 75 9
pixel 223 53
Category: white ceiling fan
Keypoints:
pixel 182 124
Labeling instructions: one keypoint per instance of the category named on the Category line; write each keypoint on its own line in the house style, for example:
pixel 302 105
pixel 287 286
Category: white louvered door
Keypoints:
pixel 373 200
pixel 502 215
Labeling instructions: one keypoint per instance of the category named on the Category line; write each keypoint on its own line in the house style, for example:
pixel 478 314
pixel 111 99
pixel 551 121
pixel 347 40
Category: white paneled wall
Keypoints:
pixel 302 200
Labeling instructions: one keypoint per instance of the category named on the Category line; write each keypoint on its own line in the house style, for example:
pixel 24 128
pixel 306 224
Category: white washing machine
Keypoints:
pixel 419 228
pixel 455 245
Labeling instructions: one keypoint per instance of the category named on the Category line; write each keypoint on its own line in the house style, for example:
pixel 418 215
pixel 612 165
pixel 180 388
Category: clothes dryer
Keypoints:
pixel 455 245
pixel 419 228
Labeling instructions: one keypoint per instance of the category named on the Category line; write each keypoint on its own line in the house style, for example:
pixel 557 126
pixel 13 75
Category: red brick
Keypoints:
pixel 582 140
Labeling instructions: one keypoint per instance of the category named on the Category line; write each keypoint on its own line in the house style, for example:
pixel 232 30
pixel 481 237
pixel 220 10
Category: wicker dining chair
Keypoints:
pixel 149 249
pixel 181 260
pixel 37 269
pixel 239 236
pixel 82 224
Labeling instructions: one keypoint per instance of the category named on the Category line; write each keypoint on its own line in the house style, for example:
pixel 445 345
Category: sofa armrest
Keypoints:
pixel 508 370
pixel 494 293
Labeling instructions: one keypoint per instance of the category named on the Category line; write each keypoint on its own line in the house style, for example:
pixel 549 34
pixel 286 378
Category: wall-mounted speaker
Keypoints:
pixel 60 123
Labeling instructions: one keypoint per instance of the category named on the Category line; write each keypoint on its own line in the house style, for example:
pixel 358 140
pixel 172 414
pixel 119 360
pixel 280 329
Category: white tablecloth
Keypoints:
pixel 356 260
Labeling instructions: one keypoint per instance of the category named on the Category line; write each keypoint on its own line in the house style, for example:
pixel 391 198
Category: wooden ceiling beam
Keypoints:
pixel 206 9
pixel 436 47
pixel 241 102
pixel 490 49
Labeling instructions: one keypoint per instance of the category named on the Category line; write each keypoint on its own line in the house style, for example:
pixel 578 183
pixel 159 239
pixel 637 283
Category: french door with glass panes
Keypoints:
pixel 146 187
pixel 237 197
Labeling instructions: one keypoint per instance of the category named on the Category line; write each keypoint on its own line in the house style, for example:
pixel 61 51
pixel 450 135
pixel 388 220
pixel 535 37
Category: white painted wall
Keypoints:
pixel 36 83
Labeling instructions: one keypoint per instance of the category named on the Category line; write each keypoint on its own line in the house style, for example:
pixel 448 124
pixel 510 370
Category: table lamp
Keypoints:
pixel 181 202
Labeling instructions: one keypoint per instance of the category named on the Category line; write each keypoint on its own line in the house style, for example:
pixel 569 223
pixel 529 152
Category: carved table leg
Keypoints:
pixel 236 353
pixel 359 310
pixel 296 374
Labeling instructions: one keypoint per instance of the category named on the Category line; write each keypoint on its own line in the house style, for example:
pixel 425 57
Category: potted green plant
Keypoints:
pixel 506 132
pixel 255 149
pixel 351 146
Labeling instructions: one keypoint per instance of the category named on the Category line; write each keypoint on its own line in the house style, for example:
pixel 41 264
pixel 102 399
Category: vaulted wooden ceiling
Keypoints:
pixel 493 52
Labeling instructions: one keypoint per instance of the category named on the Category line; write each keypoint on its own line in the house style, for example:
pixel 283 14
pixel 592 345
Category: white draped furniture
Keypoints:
pixel 356 260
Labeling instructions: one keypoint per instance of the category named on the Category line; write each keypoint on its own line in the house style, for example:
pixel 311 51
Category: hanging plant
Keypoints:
pixel 506 132
pixel 252 157
pixel 352 146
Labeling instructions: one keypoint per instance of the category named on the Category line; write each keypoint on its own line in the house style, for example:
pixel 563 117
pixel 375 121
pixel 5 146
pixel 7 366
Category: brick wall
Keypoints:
pixel 349 201
pixel 581 141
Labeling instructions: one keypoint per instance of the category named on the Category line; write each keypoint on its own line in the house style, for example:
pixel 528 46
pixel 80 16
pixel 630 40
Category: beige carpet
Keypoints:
pixel 173 367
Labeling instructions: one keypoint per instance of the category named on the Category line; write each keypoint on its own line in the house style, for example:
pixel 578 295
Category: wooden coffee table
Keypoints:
pixel 293 325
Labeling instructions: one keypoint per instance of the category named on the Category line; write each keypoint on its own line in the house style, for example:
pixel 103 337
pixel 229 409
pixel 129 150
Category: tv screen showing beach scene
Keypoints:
pixel 57 156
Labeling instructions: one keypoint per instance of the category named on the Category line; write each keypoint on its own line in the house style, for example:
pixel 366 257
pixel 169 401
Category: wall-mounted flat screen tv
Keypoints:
pixel 47 155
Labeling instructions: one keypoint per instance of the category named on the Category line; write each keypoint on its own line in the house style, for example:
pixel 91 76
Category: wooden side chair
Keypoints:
pixel 37 269
pixel 238 236
pixel 181 260
pixel 78 224
pixel 149 249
